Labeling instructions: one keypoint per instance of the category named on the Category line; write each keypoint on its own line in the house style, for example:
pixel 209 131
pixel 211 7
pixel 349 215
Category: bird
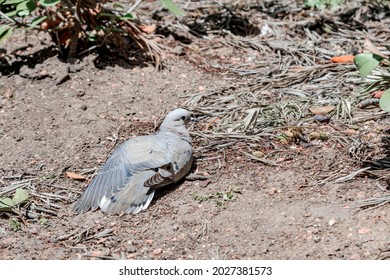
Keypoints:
pixel 127 181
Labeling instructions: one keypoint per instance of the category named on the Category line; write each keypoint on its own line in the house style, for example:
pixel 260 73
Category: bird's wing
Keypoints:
pixel 140 155
pixel 139 190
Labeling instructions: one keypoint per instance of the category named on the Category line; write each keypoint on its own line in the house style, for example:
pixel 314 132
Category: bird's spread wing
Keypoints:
pixel 130 165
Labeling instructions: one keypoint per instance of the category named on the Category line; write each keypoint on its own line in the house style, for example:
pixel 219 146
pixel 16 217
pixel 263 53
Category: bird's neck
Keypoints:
pixel 180 131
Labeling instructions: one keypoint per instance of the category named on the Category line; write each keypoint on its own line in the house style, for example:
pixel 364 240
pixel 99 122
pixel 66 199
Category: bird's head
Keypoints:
pixel 176 122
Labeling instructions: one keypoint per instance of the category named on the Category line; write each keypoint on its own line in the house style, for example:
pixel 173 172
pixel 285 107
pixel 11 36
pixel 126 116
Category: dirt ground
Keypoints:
pixel 57 117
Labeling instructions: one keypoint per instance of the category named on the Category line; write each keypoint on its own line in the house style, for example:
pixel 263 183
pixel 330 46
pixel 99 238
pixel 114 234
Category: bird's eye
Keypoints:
pixel 183 118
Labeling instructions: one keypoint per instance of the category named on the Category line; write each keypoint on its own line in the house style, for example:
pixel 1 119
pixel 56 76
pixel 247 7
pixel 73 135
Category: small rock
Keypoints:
pixel 157 251
pixel 364 230
pixel 33 230
pixel 321 118
pixel 131 249
pixel 175 227
pixel 314 135
pixel 349 132
pixel 288 133
pixel 3 232
pixel 96 253
pixel 149 241
pixel 332 222
pixel 355 256
pixel 204 183
pixel 179 50
pixel 80 94
pixel 258 154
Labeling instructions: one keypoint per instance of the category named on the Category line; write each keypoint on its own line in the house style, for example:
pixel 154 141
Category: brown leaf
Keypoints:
pixel 75 176
pixel 349 131
pixel 377 93
pixel 258 154
pixel 343 59
pixel 288 134
pixel 148 29
pixel 368 45
pixel 321 110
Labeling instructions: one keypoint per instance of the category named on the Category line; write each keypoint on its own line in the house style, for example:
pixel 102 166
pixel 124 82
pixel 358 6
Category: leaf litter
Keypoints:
pixel 289 76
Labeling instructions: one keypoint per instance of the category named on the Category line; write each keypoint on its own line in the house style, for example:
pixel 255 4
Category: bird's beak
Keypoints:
pixel 194 119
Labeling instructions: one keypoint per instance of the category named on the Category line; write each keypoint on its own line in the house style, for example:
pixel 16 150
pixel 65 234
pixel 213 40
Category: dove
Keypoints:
pixel 128 179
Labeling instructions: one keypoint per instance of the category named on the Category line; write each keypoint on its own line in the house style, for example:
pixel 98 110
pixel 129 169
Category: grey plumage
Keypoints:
pixel 127 181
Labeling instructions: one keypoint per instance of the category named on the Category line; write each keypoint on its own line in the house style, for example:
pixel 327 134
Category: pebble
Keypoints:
pixel 175 227
pixel 332 222
pixel 157 251
pixel 178 50
pixel 149 241
pixel 258 154
pixel 131 249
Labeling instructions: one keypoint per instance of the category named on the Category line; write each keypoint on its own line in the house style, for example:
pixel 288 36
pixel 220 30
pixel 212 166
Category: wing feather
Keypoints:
pixel 132 157
pixel 127 181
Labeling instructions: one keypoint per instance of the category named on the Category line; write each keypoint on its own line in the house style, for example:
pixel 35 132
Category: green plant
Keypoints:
pixel 374 67
pixel 8 204
pixel 78 26
pixel 322 4
pixel 220 198
pixel 11 208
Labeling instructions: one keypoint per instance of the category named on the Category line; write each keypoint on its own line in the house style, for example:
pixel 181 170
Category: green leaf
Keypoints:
pixel 111 16
pixel 5 32
pixel 6 204
pixel 49 3
pixel 127 16
pixel 37 20
pixel 21 195
pixel 14 224
pixel 118 6
pixel 173 8
pixel 100 27
pixel 10 2
pixel 12 13
pixel 384 102
pixel 26 6
pixel 23 13
pixel 92 37
pixel 366 62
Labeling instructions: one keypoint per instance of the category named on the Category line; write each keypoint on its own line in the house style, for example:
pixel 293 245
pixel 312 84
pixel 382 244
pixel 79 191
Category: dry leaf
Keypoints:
pixel 258 154
pixel 75 176
pixel 148 29
pixel 343 59
pixel 369 46
pixel 212 122
pixel 321 110
pixel 288 133
pixel 377 93
pixel 349 131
